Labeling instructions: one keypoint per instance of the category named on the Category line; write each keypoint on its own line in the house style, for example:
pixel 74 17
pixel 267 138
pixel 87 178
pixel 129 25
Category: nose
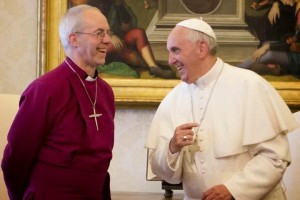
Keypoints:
pixel 106 38
pixel 172 60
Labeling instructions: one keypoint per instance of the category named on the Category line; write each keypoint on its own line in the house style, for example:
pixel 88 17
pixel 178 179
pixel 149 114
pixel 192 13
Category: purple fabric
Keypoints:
pixel 53 141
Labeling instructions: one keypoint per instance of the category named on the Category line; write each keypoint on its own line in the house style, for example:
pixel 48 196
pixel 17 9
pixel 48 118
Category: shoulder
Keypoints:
pixel 242 85
pixel 56 80
pixel 180 88
pixel 242 76
pixel 180 91
pixel 246 85
pixel 105 86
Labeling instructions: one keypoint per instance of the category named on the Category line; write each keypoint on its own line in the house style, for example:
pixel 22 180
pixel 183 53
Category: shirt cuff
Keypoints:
pixel 172 159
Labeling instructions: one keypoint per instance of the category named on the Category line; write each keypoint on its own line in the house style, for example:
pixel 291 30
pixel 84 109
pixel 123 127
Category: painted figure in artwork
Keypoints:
pixel 201 6
pixel 275 21
pixel 278 33
pixel 260 4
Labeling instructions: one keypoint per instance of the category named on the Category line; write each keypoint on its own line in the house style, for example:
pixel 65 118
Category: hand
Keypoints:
pixel 261 51
pixel 218 192
pixel 274 13
pixel 254 5
pixel 288 2
pixel 117 43
pixel 291 40
pixel 183 136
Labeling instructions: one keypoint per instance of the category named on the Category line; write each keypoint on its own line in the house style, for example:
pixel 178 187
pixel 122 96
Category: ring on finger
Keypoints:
pixel 185 138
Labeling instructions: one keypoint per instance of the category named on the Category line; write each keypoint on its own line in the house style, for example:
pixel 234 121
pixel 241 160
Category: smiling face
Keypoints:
pixel 89 49
pixel 184 54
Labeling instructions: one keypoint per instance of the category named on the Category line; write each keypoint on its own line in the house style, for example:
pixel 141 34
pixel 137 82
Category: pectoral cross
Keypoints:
pixel 95 115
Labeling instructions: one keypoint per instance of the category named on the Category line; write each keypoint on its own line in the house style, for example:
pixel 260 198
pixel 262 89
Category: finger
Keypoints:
pixel 178 142
pixel 188 126
pixel 184 134
pixel 273 20
pixel 188 138
pixel 254 57
pixel 185 138
pixel 270 19
pixel 208 192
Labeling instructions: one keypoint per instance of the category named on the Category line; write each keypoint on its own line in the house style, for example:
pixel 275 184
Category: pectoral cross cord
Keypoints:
pixel 94 114
pixel 196 146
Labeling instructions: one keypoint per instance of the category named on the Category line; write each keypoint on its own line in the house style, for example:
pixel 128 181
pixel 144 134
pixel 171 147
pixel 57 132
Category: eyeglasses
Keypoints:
pixel 100 33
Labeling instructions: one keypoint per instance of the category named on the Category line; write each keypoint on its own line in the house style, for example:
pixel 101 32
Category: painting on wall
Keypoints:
pixel 130 53
pixel 138 83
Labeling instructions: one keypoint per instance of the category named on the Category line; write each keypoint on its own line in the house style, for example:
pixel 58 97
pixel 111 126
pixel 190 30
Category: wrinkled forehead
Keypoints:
pixel 176 36
pixel 95 19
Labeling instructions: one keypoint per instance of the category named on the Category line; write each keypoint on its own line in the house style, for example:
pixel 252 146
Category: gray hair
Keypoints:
pixel 196 36
pixel 71 22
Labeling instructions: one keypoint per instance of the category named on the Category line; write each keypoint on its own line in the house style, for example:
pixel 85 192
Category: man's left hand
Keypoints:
pixel 218 192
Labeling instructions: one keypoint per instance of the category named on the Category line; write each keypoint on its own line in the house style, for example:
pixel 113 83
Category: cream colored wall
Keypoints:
pixel 18 55
pixel 128 166
pixel 18 38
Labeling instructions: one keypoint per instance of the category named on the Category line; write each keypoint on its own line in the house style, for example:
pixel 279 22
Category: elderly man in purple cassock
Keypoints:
pixel 60 143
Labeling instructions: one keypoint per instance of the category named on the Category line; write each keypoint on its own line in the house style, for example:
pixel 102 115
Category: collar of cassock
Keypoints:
pixel 211 75
pixel 91 79
pixel 81 72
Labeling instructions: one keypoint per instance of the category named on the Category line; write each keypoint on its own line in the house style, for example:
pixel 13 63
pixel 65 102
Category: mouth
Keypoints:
pixel 102 50
pixel 179 68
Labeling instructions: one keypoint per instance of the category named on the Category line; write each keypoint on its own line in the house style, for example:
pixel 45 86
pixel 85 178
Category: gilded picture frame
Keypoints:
pixel 129 93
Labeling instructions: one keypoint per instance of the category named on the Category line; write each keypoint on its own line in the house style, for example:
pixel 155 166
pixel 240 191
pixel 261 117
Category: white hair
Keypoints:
pixel 71 22
pixel 196 36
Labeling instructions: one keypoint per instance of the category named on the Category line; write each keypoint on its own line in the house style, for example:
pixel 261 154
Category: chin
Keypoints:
pixel 100 62
pixel 184 78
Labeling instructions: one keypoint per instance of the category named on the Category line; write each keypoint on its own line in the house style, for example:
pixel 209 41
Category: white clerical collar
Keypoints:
pixel 211 75
pixel 88 78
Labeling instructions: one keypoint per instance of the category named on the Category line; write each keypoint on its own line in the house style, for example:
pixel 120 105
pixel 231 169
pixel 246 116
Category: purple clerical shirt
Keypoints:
pixel 54 150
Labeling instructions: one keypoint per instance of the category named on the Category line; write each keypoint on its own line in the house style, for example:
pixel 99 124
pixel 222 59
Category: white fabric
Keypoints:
pixel 291 177
pixel 249 104
pixel 198 25
pixel 245 117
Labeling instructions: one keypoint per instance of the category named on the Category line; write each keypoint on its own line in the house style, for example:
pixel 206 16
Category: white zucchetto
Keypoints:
pixel 198 25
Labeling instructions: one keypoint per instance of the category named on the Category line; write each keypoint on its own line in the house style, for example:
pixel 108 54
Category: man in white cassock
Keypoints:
pixel 222 130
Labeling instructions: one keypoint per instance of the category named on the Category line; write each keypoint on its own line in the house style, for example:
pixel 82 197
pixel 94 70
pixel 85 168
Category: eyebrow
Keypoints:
pixel 100 29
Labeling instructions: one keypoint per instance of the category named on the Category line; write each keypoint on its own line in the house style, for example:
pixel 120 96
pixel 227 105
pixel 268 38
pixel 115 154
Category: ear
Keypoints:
pixel 203 48
pixel 73 40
